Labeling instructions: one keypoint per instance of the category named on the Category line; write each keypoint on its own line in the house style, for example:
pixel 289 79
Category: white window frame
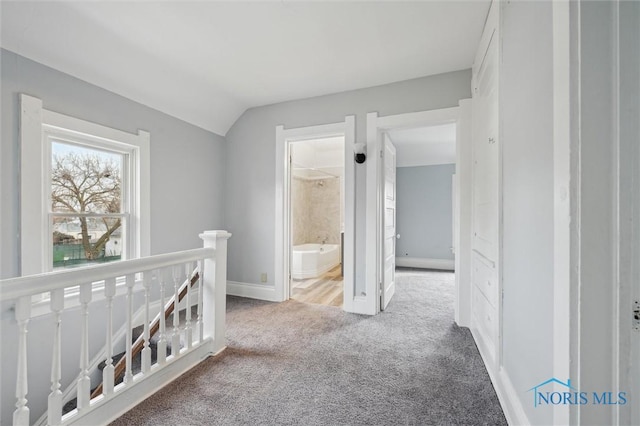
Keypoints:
pixel 38 127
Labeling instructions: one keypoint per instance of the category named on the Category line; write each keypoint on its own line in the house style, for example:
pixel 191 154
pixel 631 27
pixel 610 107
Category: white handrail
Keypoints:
pixel 114 401
pixel 14 288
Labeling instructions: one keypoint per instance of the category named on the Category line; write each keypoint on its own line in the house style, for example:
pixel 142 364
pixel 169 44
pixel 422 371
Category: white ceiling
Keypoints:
pixel 425 146
pixel 206 62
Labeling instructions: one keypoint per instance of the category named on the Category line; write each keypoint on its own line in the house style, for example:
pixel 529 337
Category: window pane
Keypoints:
pixel 78 241
pixel 85 180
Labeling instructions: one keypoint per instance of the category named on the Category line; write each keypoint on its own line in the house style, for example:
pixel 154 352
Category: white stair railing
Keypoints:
pixel 78 287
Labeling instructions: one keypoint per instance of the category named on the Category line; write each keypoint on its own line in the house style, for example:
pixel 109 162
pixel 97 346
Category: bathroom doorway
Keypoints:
pixel 286 139
pixel 317 220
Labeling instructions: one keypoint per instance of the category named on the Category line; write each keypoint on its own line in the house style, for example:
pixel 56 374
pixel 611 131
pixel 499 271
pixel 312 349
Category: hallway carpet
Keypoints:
pixel 300 364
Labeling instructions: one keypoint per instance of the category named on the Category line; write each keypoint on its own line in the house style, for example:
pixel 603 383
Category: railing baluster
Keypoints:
pixel 84 382
pixel 131 280
pixel 199 324
pixel 146 352
pixel 23 313
pixel 188 334
pixel 162 339
pixel 108 372
pixel 175 338
pixel 54 412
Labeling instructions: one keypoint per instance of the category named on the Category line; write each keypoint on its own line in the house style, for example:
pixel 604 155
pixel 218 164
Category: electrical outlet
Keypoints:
pixel 263 277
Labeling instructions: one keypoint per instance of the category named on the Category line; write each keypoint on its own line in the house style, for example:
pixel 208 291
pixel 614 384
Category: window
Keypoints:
pixel 88 213
pixel 84 191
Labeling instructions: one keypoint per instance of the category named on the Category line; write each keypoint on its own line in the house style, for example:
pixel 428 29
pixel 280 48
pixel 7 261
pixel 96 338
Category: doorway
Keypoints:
pixel 423 203
pixel 379 129
pixel 426 165
pixel 286 140
pixel 316 221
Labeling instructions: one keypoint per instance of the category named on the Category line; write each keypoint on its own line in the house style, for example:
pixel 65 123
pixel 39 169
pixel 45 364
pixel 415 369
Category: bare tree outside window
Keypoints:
pixel 86 197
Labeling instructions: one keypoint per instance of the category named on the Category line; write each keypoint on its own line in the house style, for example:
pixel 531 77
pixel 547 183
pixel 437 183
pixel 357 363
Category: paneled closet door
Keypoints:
pixel 486 156
pixel 486 301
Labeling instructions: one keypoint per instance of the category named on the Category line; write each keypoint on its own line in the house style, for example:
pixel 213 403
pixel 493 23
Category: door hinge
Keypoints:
pixel 636 316
pixel 380 153
pixel 380 289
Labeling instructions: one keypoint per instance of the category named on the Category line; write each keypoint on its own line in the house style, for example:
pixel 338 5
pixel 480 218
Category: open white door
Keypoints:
pixel 388 221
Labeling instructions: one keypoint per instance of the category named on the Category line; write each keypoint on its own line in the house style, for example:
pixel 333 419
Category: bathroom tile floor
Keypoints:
pixel 324 290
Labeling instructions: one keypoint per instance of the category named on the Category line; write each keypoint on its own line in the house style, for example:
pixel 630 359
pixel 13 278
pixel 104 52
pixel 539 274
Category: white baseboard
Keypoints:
pixel 506 392
pixel 511 404
pixel 422 262
pixel 252 291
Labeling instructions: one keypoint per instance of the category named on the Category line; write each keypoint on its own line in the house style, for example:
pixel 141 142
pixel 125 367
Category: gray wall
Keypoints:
pixel 251 162
pixel 187 162
pixel 527 135
pixel 424 211
pixel 187 178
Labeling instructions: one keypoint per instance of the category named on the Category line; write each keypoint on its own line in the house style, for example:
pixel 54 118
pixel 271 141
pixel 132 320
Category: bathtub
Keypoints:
pixel 313 260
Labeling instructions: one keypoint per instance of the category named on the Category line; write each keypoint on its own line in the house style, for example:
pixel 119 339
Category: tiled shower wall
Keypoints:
pixel 315 211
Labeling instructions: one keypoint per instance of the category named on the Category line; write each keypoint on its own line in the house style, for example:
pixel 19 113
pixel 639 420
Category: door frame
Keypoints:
pixel 284 139
pixel 376 125
pixel 384 299
pixel 626 130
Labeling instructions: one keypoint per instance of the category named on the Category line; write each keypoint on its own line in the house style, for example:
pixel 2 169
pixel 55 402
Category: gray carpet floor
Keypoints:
pixel 300 364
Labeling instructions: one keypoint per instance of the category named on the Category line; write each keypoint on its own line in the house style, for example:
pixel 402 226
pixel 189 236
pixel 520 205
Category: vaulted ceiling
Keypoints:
pixel 207 62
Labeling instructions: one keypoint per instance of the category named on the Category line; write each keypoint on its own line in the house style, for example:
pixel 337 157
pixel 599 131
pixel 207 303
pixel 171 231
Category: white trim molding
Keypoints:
pixel 284 138
pixel 562 303
pixel 463 201
pixel 511 404
pixel 37 127
pixel 375 127
pixel 252 291
pixel 507 395
pixel 425 263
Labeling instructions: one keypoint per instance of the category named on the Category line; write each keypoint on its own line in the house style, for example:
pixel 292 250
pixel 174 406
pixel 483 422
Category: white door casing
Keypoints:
pixel 376 126
pixel 388 221
pixel 627 15
pixel 284 137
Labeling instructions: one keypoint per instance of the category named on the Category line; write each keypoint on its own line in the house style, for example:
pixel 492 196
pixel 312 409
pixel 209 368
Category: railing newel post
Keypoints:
pixel 215 288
